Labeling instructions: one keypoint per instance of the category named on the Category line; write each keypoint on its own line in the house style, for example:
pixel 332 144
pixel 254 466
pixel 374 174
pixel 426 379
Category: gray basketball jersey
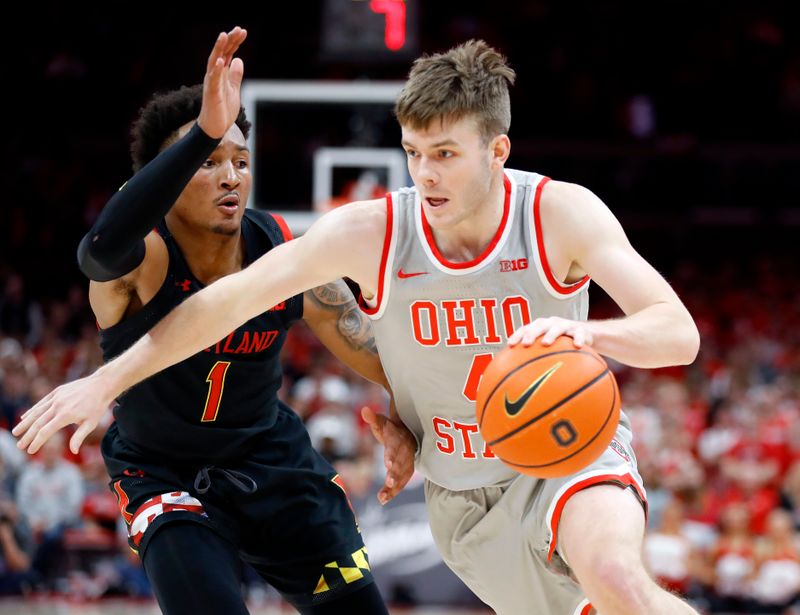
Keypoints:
pixel 437 324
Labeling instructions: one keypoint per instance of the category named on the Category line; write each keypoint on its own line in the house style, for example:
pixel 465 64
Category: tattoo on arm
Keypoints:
pixel 353 326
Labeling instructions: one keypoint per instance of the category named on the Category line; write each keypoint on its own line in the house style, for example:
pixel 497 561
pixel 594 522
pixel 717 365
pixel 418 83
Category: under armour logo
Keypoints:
pixel 185 286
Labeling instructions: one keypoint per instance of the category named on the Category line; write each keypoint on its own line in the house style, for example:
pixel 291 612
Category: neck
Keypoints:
pixel 209 255
pixel 468 239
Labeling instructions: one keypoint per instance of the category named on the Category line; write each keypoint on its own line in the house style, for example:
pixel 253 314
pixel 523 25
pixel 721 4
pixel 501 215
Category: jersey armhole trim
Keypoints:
pixel 285 231
pixel 383 278
pixel 553 286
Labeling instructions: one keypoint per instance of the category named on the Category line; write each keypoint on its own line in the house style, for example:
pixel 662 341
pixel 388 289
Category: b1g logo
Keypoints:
pixel 513 265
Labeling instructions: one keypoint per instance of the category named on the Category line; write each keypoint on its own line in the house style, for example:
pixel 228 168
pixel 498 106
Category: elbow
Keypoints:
pixel 92 264
pixel 102 263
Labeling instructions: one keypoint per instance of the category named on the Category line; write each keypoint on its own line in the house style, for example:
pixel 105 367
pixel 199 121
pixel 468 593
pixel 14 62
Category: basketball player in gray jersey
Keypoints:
pixel 473 257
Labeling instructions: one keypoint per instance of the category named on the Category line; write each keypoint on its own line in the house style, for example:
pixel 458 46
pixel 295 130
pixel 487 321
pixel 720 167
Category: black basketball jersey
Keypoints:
pixel 210 406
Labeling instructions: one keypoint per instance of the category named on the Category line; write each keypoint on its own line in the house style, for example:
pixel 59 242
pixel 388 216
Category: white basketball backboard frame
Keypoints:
pixel 255 91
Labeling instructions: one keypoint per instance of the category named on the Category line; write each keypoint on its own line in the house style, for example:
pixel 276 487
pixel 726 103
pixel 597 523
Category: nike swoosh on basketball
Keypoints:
pixel 513 407
pixel 403 275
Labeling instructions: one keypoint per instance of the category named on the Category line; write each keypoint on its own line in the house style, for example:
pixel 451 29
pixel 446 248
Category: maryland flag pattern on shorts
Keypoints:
pixel 337 574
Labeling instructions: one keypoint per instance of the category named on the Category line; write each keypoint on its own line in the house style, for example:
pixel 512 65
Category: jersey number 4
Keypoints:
pixel 216 385
pixel 479 364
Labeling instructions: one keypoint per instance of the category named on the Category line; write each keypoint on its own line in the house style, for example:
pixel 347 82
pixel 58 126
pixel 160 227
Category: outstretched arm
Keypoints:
pixel 346 242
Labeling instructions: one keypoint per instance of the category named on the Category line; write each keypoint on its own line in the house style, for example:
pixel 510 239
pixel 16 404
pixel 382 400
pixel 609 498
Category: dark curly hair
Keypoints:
pixel 163 115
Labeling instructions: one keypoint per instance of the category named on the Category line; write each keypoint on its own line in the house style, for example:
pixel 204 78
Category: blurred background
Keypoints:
pixel 684 117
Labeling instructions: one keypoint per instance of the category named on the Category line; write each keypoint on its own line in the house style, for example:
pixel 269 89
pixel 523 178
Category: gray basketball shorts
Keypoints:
pixel 502 541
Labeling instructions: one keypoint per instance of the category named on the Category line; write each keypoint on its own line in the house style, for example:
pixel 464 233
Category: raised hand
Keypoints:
pixel 399 449
pixel 222 84
pixel 82 402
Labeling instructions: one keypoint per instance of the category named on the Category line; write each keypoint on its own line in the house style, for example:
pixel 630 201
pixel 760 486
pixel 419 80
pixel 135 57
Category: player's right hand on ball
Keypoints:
pixel 82 402
pixel 399 449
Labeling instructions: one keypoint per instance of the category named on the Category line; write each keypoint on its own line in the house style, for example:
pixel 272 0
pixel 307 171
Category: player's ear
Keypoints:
pixel 500 149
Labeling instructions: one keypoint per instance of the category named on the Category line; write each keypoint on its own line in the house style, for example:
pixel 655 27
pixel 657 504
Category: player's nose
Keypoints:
pixel 229 178
pixel 426 173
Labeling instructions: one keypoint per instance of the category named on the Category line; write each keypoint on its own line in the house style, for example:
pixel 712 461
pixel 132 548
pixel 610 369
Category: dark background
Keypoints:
pixel 710 176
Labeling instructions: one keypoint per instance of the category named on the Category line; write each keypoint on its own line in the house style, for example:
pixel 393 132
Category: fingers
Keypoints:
pixel 547 330
pixel 27 419
pixel 33 420
pixel 579 337
pixel 41 431
pixel 33 423
pixel 225 46
pixel 527 335
pixel 236 73
pixel 216 51
pixel 394 483
pixel 556 329
pixel 234 40
pixel 375 421
pixel 516 337
pixel 84 429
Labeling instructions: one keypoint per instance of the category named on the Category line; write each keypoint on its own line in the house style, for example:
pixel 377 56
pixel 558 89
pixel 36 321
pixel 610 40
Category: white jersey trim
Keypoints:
pixel 484 260
pixel 583 608
pixel 553 286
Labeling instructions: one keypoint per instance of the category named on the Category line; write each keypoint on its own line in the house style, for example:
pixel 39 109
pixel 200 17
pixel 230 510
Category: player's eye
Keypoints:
pixel 445 153
pixel 208 164
pixel 411 153
pixel 242 164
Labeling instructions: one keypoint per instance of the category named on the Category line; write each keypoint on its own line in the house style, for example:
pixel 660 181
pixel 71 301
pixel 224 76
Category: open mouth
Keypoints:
pixel 229 203
pixel 436 202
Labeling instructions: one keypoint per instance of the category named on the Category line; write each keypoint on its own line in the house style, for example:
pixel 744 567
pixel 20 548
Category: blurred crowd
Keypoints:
pixel 718 444
pixel 688 128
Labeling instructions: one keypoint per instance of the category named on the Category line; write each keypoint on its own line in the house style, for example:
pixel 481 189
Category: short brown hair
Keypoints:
pixel 471 79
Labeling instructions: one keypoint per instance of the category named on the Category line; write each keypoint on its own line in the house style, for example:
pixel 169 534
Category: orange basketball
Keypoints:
pixel 548 411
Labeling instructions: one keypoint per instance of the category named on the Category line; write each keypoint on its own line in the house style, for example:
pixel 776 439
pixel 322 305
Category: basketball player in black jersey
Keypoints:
pixel 210 469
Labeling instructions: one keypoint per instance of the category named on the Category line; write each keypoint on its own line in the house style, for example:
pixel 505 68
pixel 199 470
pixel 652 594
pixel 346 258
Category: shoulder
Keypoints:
pixel 359 218
pixel 571 208
pixel 271 224
pixel 564 198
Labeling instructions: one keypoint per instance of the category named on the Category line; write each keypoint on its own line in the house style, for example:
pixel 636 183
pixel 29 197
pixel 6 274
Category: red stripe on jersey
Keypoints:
pixel 564 289
pixel 387 240
pixel 426 227
pixel 287 234
pixel 624 480
pixel 586 610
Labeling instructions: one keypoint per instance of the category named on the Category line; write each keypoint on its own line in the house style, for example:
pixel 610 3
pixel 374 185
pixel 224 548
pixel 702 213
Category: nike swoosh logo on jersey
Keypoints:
pixel 403 275
pixel 513 407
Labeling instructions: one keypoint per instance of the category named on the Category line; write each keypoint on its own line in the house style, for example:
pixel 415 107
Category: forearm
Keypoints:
pixel 114 246
pixel 332 313
pixel 198 323
pixel 660 335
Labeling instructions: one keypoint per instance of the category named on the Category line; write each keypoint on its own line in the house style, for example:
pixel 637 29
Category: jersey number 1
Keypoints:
pixel 216 384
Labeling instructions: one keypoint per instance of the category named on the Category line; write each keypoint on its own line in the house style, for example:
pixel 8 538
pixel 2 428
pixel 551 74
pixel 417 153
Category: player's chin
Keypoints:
pixel 441 218
pixel 228 227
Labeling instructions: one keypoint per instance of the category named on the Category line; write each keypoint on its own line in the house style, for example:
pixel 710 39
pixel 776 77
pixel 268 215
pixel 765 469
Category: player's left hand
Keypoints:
pixel 82 402
pixel 399 449
pixel 551 328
